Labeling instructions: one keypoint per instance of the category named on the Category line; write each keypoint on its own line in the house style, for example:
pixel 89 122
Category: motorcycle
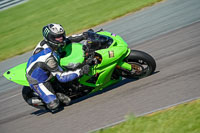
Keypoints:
pixel 108 66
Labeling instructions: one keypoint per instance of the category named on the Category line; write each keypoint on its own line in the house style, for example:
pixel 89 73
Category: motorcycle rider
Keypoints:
pixel 43 65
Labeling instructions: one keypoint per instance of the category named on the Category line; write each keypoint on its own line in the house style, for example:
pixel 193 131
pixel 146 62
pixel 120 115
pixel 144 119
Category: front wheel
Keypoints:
pixel 142 65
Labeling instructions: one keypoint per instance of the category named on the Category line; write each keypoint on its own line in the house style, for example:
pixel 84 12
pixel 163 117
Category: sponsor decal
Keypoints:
pixel 113 34
pixel 46 32
pixel 111 54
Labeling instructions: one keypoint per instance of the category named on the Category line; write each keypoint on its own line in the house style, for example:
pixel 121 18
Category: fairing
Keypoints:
pixel 74 54
pixel 17 74
pixel 111 57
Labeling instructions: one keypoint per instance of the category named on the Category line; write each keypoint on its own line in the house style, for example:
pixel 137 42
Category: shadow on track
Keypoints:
pixel 123 82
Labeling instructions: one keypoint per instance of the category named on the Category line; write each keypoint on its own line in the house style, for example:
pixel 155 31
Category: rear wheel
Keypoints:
pixel 28 93
pixel 142 65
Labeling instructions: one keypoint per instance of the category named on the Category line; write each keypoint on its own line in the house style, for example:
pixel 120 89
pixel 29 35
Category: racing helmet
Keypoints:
pixel 54 34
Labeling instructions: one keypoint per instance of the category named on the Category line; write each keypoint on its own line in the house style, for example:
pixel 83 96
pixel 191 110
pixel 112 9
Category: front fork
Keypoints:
pixel 122 65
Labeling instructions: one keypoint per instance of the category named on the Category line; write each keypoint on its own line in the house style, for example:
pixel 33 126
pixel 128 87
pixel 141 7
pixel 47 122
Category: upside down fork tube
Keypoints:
pixel 142 65
pixel 124 65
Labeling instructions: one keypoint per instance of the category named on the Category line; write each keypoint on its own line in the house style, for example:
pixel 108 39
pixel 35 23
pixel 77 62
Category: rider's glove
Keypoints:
pixel 84 70
pixel 86 34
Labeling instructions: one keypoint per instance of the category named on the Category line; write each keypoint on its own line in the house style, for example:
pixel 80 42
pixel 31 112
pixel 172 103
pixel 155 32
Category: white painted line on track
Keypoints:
pixel 146 113
pixel 5 4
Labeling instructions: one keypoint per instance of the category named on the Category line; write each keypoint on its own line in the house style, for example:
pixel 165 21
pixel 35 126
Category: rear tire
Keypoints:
pixel 142 63
pixel 28 93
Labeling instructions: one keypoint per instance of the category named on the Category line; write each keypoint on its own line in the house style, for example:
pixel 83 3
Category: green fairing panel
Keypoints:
pixel 116 51
pixel 111 57
pixel 17 74
pixel 74 54
pixel 103 79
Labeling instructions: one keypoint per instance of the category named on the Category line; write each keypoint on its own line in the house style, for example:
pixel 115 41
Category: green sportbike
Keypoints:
pixel 108 66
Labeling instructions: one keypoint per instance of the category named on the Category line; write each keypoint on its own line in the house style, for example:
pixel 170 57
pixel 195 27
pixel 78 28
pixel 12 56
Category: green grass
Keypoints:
pixel 184 118
pixel 21 25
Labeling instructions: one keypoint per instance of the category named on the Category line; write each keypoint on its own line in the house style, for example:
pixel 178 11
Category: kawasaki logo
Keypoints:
pixel 46 32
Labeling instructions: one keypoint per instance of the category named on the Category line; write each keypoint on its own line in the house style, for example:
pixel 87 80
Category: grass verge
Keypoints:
pixel 184 118
pixel 21 25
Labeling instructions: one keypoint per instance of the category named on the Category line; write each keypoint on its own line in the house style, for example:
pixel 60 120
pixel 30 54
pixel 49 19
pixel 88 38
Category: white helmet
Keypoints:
pixel 54 34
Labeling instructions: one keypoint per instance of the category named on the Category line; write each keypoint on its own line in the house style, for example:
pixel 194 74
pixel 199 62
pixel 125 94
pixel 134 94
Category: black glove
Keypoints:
pixel 90 30
pixel 84 70
pixel 86 34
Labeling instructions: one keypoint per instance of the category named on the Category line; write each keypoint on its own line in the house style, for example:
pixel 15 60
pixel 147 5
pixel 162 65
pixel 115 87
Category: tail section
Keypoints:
pixel 17 74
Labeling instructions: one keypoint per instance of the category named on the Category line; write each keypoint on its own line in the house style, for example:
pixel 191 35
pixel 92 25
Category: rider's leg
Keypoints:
pixel 47 94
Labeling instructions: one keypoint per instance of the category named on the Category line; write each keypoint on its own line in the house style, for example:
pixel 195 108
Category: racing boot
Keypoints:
pixel 53 106
pixel 64 98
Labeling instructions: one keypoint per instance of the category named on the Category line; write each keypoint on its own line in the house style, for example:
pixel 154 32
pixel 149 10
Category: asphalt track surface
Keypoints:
pixel 169 31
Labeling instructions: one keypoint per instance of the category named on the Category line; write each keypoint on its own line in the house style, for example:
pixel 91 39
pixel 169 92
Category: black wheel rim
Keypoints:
pixel 140 69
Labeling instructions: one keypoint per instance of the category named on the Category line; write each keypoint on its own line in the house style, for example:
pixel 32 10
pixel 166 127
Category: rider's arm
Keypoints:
pixel 63 76
pixel 57 71
pixel 75 38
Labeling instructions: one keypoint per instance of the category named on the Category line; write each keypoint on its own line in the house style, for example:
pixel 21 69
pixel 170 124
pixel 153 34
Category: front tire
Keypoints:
pixel 142 64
